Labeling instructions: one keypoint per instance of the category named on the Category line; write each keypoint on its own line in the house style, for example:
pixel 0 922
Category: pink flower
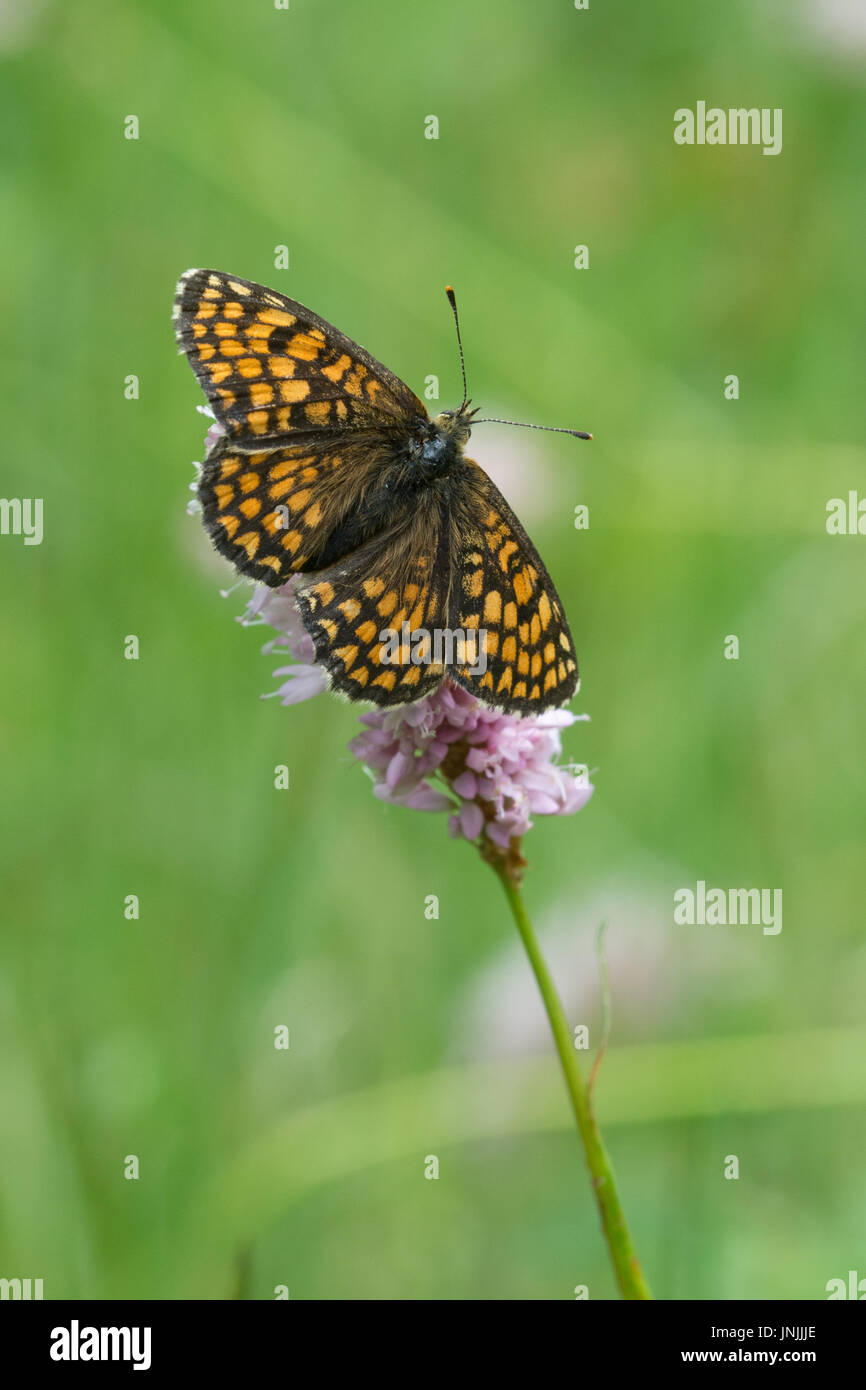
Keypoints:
pixel 446 752
pixel 277 609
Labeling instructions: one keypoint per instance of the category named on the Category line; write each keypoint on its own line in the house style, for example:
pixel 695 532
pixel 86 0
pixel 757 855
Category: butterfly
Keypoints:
pixel 327 466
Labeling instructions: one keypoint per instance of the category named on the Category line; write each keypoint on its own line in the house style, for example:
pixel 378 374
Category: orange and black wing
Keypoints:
pixel 502 589
pixel 356 611
pixel 272 369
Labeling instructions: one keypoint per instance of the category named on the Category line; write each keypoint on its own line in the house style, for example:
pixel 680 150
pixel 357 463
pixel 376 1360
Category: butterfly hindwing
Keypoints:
pixel 502 589
pixel 356 611
pixel 271 368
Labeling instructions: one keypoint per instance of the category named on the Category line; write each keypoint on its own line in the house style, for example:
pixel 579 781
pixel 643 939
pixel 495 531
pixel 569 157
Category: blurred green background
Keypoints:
pixel 410 1037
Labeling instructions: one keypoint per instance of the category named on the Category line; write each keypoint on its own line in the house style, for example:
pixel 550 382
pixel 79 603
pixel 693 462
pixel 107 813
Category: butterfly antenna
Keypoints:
pixel 452 300
pixel 522 425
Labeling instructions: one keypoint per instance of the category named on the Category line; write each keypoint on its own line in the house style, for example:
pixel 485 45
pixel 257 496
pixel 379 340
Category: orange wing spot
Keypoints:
pixel 249 482
pixel 224 494
pixel 535 693
pixel 291 540
pixel 487 681
pixel 571 666
pixel 373 587
pixel 249 367
pixel 294 390
pixel 250 543
pixel 535 664
pixel 313 514
pixel 366 631
pixel 277 318
pixel 509 649
pixel 206 351
pixel 251 506
pixel 523 633
pixel 505 680
pixel 522 587
pixel 412 676
pixel 388 679
pixel 476 558
pixel 505 555
pixel 212 294
pixel 238 287
pixel 225 330
pixel 346 654
pixel 491 518
pixel 262 393
pixel 416 617
pixel 560 670
pixel 492 607
pixel 298 499
pixel 279 490
pixel 350 610
pixel 342 410
pixel 491 643
pixel 281 366
pixel 228 467
pixel 550 653
pixel 534 629
pixel 231 523
pixel 372 387
pixel 470 622
pixel 324 593
pixel 317 412
pixel 227 397
pixel 230 347
pixel 472 584
pixel 259 345
pixel 410 592
pixel 205 311
pixel 388 603
pixel 352 384
pixel 360 674
pixel 258 421
pixel 232 310
pixel 328 627
pixel 549 680
pixel 219 371
pixel 304 347
pixel 338 368
pixel 283 417
pixel 523 663
pixel 272 562
pixel 520 690
pixel 510 615
pixel 564 642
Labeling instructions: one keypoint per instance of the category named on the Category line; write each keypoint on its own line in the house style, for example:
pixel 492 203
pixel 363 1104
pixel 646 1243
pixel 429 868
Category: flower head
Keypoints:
pixel 445 752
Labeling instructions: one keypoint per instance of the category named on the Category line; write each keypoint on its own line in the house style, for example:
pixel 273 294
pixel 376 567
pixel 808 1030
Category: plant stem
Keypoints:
pixel 626 1265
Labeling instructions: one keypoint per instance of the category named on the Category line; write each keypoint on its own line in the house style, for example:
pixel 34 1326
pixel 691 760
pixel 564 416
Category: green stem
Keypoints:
pixel 622 1252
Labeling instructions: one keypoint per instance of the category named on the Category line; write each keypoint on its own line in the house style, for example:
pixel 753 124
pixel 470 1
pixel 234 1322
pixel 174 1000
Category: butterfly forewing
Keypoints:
pixel 271 368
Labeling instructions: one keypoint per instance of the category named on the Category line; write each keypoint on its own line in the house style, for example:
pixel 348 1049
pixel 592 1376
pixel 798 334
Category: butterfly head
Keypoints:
pixel 456 425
